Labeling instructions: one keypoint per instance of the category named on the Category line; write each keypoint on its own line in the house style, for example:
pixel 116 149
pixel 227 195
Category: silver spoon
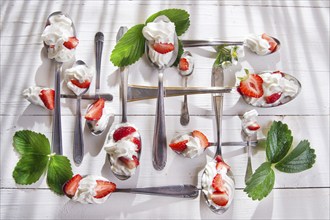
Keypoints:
pixel 106 96
pixel 184 118
pixel 159 150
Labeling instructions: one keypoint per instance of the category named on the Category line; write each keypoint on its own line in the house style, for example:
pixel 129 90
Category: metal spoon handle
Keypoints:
pixel 252 138
pixel 201 43
pixel 78 141
pixel 106 96
pixel 123 90
pixel 184 118
pixel 159 142
pixel 99 39
pixel 181 191
pixel 57 127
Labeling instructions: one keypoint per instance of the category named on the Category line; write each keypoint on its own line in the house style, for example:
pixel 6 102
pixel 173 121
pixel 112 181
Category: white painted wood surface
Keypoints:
pixel 303 28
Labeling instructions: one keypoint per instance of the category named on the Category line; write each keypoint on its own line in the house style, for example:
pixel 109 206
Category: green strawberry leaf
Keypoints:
pixel 29 142
pixel 59 171
pixel 279 141
pixel 261 182
pixel 222 56
pixel 300 159
pixel 29 168
pixel 180 52
pixel 178 16
pixel 130 47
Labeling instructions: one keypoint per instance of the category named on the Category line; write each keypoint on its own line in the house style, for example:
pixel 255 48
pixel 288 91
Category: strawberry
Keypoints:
pixel 271 42
pixel 202 138
pixel 71 43
pixel 221 163
pixel 130 163
pixel 83 85
pixel 253 127
pixel 217 183
pixel 137 142
pixel 183 64
pixel 96 110
pixel 122 132
pixel 71 186
pixel 47 96
pixel 251 85
pixel 220 198
pixel 273 98
pixel 278 72
pixel 163 47
pixel 179 146
pixel 103 188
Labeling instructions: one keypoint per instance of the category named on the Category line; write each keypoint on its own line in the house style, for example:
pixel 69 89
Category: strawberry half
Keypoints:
pixel 251 85
pixel 71 43
pixel 163 47
pixel 83 85
pixel 137 142
pixel 122 132
pixel 95 112
pixel 179 146
pixel 103 188
pixel 253 127
pixel 273 98
pixel 220 198
pixel 47 96
pixel 217 183
pixel 71 186
pixel 271 41
pixel 184 64
pixel 220 163
pixel 203 139
pixel 131 164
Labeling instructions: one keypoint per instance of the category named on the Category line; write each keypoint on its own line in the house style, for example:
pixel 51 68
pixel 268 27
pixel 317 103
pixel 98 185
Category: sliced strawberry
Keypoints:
pixel 71 43
pixel 217 183
pixel 203 139
pixel 253 127
pixel 95 111
pixel 183 64
pixel 130 163
pixel 163 47
pixel 273 98
pixel 179 146
pixel 103 188
pixel 220 163
pixel 251 85
pixel 271 42
pixel 220 198
pixel 71 186
pixel 48 96
pixel 137 142
pixel 122 132
pixel 278 72
pixel 218 158
pixel 83 85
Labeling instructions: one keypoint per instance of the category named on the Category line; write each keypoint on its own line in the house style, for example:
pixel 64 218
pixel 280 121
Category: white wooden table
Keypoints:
pixel 303 28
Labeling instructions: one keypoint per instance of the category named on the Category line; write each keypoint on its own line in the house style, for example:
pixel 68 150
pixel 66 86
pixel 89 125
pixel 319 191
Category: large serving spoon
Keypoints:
pixel 159 149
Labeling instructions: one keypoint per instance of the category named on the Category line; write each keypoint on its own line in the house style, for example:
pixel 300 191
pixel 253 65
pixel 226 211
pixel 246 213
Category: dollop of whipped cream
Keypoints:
pixel 159 32
pixel 190 60
pixel 207 180
pixel 249 119
pixel 257 44
pixel 32 94
pixel 55 34
pixel 86 190
pixel 274 82
pixel 194 147
pixel 101 124
pixel 122 148
pixel 81 73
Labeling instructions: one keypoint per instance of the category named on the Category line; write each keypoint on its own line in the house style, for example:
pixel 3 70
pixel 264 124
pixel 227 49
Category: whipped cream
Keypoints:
pixel 274 83
pixel 249 118
pixel 122 148
pixel 86 190
pixel 55 34
pixel 190 61
pixel 101 124
pixel 32 95
pixel 257 44
pixel 207 179
pixel 159 32
pixel 80 73
pixel 194 147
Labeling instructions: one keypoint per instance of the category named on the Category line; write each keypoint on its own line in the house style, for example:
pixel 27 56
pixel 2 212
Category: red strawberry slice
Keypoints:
pixel 137 142
pixel 251 85
pixel 179 146
pixel 71 186
pixel 163 47
pixel 184 64
pixel 203 139
pixel 220 198
pixel 271 42
pixel 47 96
pixel 71 43
pixel 130 163
pixel 273 98
pixel 278 72
pixel 253 127
pixel 96 110
pixel 103 188
pixel 82 85
pixel 222 164
pixel 217 183
pixel 122 132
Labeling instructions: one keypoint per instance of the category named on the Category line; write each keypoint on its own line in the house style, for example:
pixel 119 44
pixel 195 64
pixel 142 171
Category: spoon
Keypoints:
pixel 218 80
pixel 159 150
pixel 184 118
pixel 106 96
